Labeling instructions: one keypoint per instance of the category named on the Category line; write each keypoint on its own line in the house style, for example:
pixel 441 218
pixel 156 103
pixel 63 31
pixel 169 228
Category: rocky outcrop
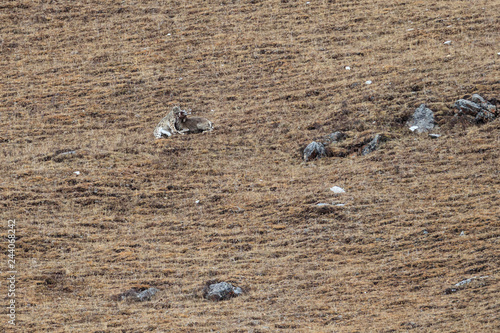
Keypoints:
pixel 477 108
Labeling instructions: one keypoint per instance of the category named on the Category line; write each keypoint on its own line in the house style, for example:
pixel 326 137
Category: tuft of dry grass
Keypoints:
pixel 83 83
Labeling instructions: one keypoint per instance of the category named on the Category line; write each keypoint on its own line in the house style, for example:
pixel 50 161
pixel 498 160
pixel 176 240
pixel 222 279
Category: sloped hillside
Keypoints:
pixel 100 206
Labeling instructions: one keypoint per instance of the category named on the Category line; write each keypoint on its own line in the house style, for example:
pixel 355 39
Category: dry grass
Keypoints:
pixel 96 76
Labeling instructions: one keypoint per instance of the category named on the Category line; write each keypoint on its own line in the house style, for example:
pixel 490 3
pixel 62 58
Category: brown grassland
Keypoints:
pixel 95 77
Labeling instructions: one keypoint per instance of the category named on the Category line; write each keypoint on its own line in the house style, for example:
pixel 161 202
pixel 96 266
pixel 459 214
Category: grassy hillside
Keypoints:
pixel 101 206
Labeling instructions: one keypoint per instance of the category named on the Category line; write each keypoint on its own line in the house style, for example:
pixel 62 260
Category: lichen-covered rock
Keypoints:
pixel 487 106
pixel 422 120
pixel 136 295
pixel 221 291
pixel 468 107
pixel 334 137
pixel 477 107
pixel 314 150
pixel 372 145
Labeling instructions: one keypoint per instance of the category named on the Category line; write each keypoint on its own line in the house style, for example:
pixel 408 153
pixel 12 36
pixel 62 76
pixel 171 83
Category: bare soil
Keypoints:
pixel 84 83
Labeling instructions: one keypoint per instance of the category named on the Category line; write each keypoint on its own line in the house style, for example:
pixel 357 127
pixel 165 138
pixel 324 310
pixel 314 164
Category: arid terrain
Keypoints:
pixel 101 206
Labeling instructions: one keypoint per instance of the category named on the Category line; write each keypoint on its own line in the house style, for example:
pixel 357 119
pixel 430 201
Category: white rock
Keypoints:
pixel 337 189
pixel 321 204
pixel 462 233
pixel 368 82
pixel 197 201
pixel 76 173
pixel 347 68
pixel 413 128
pixel 448 42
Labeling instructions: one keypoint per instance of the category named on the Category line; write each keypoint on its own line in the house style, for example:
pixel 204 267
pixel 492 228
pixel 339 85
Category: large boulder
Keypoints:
pixel 422 120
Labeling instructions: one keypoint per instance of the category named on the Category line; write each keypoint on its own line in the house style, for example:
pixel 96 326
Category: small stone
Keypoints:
pixel 347 68
pixel 478 99
pixel 76 173
pixel 146 294
pixel 221 291
pixel 448 42
pixel 434 136
pixel 322 204
pixel 314 150
pixel 135 295
pixel 337 190
pixel 372 145
pixel 462 233
pixel 334 137
pixel 413 128
pixel 368 82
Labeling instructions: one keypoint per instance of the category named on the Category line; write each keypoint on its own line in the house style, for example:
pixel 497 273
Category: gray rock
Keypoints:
pixel 434 136
pixel 146 294
pixel 423 118
pixel 135 295
pixel 487 106
pixel 478 99
pixel 474 282
pixel 221 291
pixel 484 116
pixel 314 150
pixel 372 145
pixel 334 137
pixel 467 107
pixel 477 107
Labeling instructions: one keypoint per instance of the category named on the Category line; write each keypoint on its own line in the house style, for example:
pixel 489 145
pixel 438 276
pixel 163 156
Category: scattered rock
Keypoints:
pixel 477 107
pixel 413 128
pixel 68 153
pixel 372 145
pixel 422 120
pixel 337 190
pixel 314 150
pixel 137 295
pixel 474 282
pixel 334 137
pixel 220 291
